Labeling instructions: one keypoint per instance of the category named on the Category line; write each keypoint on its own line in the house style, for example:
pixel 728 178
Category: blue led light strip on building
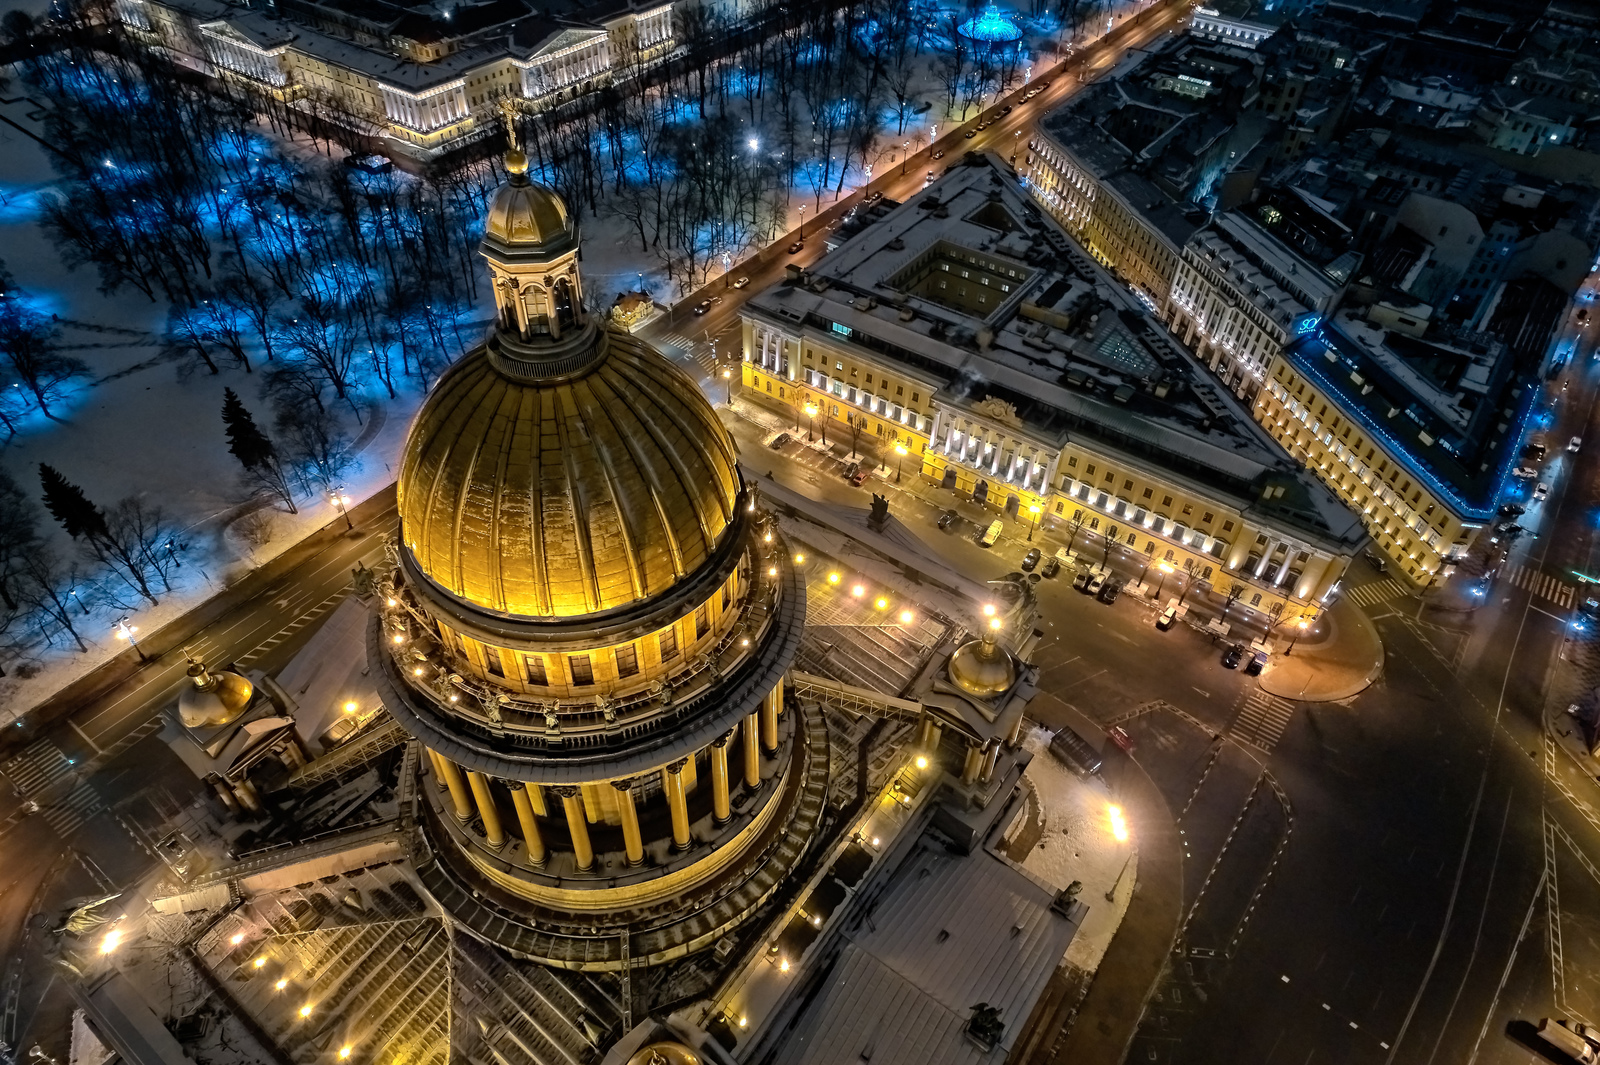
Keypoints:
pixel 1411 462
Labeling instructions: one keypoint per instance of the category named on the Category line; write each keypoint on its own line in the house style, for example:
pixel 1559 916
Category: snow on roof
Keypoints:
pixel 950 932
pixel 330 671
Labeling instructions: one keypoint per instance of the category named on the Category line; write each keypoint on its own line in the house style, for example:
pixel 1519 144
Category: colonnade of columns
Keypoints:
pixel 470 794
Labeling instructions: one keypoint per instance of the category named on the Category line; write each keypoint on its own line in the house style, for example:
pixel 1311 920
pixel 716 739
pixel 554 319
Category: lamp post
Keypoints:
pixel 905 158
pixel 1167 569
pixel 1302 625
pixel 899 462
pixel 802 221
pixel 1033 512
pixel 727 375
pixel 811 413
pixel 727 269
pixel 124 631
pixel 1185 591
pixel 342 501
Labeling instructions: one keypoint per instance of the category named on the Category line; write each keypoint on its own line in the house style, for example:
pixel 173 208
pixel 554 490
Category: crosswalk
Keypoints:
pixel 301 621
pixel 1262 719
pixel 698 352
pixel 1375 592
pixel 39 767
pixel 1542 585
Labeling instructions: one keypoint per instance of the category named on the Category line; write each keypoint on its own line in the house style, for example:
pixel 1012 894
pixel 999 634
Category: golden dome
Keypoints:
pixel 525 215
pixel 215 698
pixel 983 668
pixel 669 1052
pixel 565 495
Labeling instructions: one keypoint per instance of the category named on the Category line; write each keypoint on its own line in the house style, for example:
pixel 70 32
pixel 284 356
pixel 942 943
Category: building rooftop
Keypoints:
pixel 1051 334
pixel 950 932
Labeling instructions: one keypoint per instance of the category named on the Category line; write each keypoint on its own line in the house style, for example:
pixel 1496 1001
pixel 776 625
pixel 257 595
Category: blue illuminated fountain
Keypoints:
pixel 990 27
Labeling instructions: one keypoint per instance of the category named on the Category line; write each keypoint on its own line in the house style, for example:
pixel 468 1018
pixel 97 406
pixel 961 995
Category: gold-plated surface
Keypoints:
pixel 665 1054
pixel 983 668
pixel 214 698
pixel 523 213
pixel 557 499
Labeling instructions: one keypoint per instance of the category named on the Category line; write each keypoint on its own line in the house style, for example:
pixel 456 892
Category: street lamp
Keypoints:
pixel 811 413
pixel 342 501
pixel 124 631
pixel 1167 569
pixel 802 221
pixel 899 462
pixel 906 158
pixel 727 375
pixel 1302 625
pixel 1033 512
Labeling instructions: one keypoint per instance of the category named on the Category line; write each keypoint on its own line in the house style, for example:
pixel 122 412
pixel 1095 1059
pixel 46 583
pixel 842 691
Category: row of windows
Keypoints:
pixel 538 670
pixel 1090 470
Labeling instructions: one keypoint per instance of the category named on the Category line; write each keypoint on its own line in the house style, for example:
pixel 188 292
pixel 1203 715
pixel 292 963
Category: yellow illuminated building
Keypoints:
pixel 588 625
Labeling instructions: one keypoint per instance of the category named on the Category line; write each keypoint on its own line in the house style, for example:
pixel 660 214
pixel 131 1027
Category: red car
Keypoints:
pixel 1117 735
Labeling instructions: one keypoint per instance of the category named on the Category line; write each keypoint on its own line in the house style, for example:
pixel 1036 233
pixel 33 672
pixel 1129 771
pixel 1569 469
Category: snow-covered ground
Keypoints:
pixel 1078 844
pixel 138 427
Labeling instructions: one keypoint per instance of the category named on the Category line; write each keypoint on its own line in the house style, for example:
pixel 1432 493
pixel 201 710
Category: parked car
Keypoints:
pixel 1590 608
pixel 796 246
pixel 850 468
pixel 1535 452
pixel 938 155
pixel 983 125
pixel 1233 656
pixel 702 307
pixel 992 533
pixel 1097 582
pixel 1524 473
pixel 971 134
pixel 1052 566
pixel 1119 736
pixel 780 440
pixel 1108 594
pixel 1575 443
pixel 1081 581
pixel 1006 110
pixel 1541 490
pixel 1257 663
pixel 1043 85
pixel 1031 559
pixel 1168 618
pixel 859 477
pixel 741 282
pixel 947 519
pixel 1513 510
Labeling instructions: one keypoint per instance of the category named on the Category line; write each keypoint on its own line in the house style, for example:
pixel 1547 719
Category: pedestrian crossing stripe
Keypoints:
pixel 39 765
pixel 1375 592
pixel 1262 719
pixel 1540 584
pixel 68 815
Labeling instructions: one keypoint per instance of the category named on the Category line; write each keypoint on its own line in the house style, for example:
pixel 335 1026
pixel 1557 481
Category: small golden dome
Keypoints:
pixel 569 495
pixel 983 668
pixel 214 699
pixel 664 1053
pixel 526 215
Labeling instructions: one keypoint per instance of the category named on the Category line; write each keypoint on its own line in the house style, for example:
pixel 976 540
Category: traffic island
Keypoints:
pixel 1336 661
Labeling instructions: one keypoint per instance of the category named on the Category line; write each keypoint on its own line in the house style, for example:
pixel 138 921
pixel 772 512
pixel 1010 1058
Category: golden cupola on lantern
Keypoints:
pixel 587 627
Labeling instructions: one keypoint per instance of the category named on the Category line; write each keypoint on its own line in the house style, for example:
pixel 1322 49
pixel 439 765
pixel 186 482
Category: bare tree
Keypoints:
pixel 47 586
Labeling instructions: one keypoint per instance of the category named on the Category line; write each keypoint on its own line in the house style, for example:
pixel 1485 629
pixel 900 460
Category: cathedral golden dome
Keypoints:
pixel 214 699
pixel 983 668
pixel 560 496
pixel 524 214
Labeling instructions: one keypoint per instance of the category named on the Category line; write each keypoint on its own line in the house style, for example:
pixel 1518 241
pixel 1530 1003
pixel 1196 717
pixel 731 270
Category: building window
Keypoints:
pixel 1088 471
pixel 582 669
pixel 1071 463
pixel 1148 493
pixel 491 661
pixel 1187 509
pixel 1227 526
pixel 1206 519
pixel 702 621
pixel 668 643
pixel 627 661
pixel 726 593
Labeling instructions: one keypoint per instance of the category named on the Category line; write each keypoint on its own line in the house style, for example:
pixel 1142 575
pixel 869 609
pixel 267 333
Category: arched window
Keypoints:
pixel 566 314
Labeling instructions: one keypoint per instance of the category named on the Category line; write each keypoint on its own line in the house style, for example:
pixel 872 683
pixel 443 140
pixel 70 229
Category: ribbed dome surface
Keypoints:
pixel 528 213
pixel 563 498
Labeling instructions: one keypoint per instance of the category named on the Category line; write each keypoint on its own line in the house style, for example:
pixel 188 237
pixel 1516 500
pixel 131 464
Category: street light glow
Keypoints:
pixel 833 578
pixel 281 984
pixel 238 937
pixel 988 610
pixel 1119 827
pixel 905 617
pixel 259 962
pixel 882 604
pixel 350 707
pixel 922 763
pixel 858 591
pixel 112 941
pixel 305 1011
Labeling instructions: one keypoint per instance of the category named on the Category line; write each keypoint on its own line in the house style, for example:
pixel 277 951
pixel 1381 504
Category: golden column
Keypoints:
pixel 769 718
pixel 672 782
pixel 487 809
pixel 451 775
pixel 752 752
pixel 577 824
pixel 719 777
pixel 530 824
pixel 632 841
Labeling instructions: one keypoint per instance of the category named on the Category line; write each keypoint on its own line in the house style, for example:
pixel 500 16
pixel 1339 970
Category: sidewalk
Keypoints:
pixel 1108 1016
pixel 1343 655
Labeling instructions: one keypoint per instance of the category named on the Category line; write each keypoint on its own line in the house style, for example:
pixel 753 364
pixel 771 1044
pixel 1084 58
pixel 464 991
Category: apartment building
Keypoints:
pixel 966 328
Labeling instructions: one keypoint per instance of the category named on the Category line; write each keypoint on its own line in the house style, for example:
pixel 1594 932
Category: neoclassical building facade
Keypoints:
pixel 587 625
